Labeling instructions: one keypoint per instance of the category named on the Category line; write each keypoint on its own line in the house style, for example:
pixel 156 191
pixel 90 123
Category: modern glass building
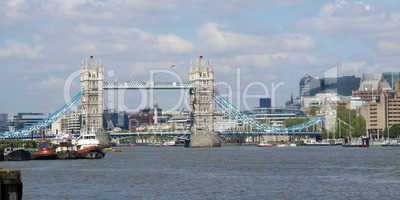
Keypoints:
pixel 344 86
pixel 309 86
pixel 4 123
pixel 115 119
pixel 24 120
pixel 265 103
pixel 391 78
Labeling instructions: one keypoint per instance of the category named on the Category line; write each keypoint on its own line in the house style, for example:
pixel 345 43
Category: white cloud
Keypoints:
pixel 20 50
pixel 172 43
pixel 12 8
pixel 82 9
pixel 52 82
pixel 288 2
pixel 219 40
pixel 269 60
pixel 389 45
pixel 297 42
pixel 345 17
pixel 118 39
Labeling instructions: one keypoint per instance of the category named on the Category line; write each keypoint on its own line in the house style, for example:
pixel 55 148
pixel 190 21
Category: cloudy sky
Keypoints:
pixel 274 42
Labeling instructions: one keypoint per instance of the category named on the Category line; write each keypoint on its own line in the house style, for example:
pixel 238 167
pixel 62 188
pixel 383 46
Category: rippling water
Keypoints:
pixel 221 173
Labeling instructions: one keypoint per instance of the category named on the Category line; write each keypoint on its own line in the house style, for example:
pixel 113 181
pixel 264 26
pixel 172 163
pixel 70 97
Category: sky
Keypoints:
pixel 269 42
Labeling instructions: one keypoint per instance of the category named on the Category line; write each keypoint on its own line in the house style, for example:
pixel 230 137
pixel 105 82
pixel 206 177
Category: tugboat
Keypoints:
pixel 45 152
pixel 66 150
pixel 88 147
pixel 16 154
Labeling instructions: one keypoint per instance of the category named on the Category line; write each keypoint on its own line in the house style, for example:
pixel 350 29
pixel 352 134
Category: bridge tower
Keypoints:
pixel 91 79
pixel 202 105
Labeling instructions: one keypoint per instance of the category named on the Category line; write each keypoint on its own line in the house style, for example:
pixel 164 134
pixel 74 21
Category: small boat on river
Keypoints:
pixel 44 152
pixel 89 147
pixel 16 154
pixel 265 145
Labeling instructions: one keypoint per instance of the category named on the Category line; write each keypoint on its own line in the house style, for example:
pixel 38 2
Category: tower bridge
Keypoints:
pixel 202 97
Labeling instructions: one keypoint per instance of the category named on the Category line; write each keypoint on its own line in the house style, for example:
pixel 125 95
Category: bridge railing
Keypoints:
pixel 236 114
pixel 23 133
pixel 107 85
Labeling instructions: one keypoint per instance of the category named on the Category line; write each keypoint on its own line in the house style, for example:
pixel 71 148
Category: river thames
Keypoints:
pixel 220 173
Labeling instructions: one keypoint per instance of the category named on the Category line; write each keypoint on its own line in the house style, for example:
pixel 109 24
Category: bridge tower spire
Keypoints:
pixel 91 79
pixel 202 104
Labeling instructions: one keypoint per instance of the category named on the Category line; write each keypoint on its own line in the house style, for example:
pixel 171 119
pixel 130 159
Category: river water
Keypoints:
pixel 222 173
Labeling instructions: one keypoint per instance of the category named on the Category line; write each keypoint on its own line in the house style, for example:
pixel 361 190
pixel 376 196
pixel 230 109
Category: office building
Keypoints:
pixel 4 123
pixel 265 103
pixel 309 85
pixel 391 78
pixel 371 87
pixel 113 120
pixel 70 123
pixel 343 86
pixel 145 117
pixel 25 120
pixel 383 113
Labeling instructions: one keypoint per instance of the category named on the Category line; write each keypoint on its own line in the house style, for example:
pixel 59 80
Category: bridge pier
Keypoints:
pixel 205 140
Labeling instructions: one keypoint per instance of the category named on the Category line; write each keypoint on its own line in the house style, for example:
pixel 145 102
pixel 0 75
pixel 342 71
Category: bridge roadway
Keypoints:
pixel 224 133
pixel 182 133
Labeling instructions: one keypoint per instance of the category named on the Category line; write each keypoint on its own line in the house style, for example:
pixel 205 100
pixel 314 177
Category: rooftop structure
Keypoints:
pixel 371 86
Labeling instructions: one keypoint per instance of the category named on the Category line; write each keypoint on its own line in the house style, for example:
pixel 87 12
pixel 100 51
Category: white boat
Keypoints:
pixel 317 144
pixel 89 147
pixel 265 145
pixel 281 145
pixel 169 143
pixel 87 140
pixel 292 145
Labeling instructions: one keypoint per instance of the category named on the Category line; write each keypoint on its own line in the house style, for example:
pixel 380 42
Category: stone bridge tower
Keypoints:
pixel 91 79
pixel 202 105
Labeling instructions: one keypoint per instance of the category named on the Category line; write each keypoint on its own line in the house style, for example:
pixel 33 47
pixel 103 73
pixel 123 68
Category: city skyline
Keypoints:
pixel 43 43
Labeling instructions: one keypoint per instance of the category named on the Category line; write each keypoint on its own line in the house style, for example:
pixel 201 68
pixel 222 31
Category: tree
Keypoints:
pixel 350 119
pixel 294 121
pixel 394 131
pixel 314 110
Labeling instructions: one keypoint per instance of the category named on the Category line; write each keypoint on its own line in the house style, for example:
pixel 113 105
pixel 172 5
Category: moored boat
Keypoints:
pixel 16 154
pixel 265 145
pixel 92 152
pixel 281 145
pixel 318 144
pixel 88 147
pixel 66 150
pixel 44 152
pixel 169 143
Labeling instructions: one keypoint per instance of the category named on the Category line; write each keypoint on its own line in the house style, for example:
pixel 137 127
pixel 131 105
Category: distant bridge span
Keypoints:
pixel 147 85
